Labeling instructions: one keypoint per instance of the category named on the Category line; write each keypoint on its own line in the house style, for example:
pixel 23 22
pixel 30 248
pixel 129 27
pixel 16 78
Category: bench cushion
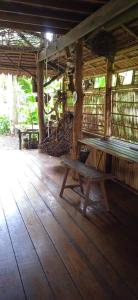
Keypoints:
pixel 86 171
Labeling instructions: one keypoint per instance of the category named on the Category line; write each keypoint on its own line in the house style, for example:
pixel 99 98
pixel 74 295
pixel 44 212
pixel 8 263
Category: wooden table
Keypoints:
pixel 112 147
pixel 29 133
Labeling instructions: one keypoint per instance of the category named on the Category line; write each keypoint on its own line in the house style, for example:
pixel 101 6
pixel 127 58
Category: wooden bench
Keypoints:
pixel 91 175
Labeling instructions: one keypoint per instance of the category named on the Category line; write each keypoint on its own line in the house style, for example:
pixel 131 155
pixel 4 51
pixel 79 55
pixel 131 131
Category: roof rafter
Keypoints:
pixel 33 20
pixel 93 22
pixel 30 27
pixel 41 12
pixel 26 40
pixel 72 6
pixel 130 32
pixel 16 66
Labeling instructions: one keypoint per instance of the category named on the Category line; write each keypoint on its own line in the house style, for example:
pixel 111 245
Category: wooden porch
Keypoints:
pixel 48 249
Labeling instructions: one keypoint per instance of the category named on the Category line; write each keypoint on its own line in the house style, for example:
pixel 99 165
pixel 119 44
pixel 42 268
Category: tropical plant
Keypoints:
pixel 28 108
pixel 4 125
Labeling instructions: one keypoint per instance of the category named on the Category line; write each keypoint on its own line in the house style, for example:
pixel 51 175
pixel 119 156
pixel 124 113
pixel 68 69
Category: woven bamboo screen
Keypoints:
pixel 124 118
pixel 125 115
pixel 93 112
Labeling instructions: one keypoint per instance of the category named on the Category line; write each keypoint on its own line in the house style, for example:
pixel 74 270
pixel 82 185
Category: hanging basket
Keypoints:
pixel 103 44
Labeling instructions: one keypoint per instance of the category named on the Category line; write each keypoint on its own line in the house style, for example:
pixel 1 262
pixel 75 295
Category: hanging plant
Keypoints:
pixel 103 44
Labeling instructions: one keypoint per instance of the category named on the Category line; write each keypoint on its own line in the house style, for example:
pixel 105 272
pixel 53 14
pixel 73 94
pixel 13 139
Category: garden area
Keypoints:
pixel 19 110
pixel 18 103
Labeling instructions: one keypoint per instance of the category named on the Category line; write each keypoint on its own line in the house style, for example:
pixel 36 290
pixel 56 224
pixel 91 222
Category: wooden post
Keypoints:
pixel 77 124
pixel 40 77
pixel 108 96
pixel 107 111
pixel 63 90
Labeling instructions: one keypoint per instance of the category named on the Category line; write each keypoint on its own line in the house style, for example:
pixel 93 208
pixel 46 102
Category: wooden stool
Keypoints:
pixel 91 175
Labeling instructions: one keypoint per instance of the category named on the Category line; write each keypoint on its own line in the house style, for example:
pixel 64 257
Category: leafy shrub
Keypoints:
pixel 4 125
pixel 28 110
pixel 25 84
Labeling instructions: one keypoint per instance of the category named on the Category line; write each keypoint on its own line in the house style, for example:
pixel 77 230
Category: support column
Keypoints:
pixel 107 111
pixel 63 90
pixel 108 96
pixel 77 124
pixel 40 77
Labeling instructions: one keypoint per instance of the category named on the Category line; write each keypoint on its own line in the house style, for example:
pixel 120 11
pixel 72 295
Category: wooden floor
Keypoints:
pixel 48 250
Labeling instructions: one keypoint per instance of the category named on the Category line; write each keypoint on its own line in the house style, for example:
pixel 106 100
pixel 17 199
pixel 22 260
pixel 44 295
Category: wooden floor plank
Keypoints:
pixel 55 252
pixel 10 282
pixel 86 282
pixel 95 259
pixel 59 278
pixel 124 263
pixel 34 280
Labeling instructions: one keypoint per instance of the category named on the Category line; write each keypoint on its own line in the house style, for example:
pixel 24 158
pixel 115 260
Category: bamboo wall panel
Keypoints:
pixel 94 157
pixel 93 112
pixel 125 115
pixel 124 171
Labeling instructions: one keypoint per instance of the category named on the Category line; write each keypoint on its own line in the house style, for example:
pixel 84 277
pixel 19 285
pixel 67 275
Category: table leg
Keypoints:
pixel 108 163
pixel 64 181
pixel 86 202
pixel 20 140
pixel 100 158
pixel 29 140
pixel 78 149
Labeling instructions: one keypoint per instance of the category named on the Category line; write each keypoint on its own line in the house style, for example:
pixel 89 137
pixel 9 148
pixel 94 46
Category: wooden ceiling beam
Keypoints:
pixel 93 22
pixel 102 59
pixel 24 19
pixel 85 7
pixel 41 12
pixel 31 27
pixel 15 50
pixel 8 65
pixel 129 31
pixel 126 17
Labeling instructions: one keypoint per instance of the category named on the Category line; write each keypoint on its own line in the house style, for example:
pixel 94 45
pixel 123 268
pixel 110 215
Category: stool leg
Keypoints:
pixel 81 186
pixel 104 193
pixel 64 182
pixel 86 197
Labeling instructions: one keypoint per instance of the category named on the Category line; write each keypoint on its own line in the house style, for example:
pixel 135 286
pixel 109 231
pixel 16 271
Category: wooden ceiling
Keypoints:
pixel 58 16
pixel 31 18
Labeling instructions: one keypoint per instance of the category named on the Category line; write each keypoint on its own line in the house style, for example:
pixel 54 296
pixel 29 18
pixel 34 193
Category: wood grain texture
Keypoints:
pixel 53 252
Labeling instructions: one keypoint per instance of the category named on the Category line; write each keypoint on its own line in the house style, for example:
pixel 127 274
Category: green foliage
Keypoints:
pixel 53 87
pixel 99 82
pixel 31 117
pixel 25 84
pixel 4 125
pixel 28 109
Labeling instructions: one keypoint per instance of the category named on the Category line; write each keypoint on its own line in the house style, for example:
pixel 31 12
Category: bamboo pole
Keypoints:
pixel 77 124
pixel 108 95
pixel 40 77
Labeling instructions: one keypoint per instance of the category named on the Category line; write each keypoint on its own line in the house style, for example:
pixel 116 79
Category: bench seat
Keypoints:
pixel 86 171
pixel 90 174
